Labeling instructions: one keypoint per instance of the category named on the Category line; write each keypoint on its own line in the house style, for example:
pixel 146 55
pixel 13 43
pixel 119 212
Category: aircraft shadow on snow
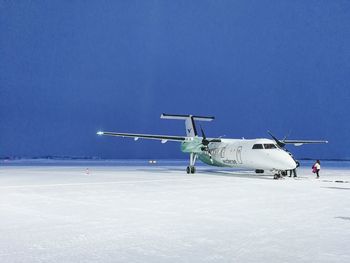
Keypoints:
pixel 214 172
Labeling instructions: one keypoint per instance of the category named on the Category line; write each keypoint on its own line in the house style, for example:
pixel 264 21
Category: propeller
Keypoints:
pixel 205 143
pixel 282 144
pixel 279 143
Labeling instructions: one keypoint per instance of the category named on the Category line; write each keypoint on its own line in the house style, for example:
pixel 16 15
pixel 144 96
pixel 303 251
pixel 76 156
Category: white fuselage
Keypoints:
pixel 262 154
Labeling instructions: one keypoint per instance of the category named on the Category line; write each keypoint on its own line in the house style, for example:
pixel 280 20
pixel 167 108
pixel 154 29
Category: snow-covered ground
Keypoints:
pixel 158 213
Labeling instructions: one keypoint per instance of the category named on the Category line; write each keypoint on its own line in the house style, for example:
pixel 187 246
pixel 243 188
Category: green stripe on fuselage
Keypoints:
pixel 206 159
pixel 195 146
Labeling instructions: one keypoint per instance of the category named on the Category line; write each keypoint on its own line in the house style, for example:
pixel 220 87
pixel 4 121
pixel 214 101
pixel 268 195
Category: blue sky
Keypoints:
pixel 70 68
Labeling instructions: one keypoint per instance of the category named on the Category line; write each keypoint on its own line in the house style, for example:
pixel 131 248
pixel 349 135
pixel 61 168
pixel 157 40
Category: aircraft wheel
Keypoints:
pixel 275 176
pixel 193 169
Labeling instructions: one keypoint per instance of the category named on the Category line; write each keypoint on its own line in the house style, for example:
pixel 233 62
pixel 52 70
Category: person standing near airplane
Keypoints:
pixel 294 172
pixel 316 168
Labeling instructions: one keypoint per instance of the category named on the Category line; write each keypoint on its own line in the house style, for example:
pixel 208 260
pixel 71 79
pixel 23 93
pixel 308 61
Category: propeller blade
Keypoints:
pixel 211 159
pixel 279 143
pixel 203 134
pixel 205 142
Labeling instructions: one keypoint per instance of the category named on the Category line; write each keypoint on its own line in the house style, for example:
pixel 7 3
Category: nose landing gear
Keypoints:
pixel 278 175
pixel 281 174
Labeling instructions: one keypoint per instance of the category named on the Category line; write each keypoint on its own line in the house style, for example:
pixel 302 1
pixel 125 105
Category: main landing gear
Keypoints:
pixel 191 169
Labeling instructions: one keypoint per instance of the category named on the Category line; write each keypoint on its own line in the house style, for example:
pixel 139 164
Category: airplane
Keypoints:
pixel 257 154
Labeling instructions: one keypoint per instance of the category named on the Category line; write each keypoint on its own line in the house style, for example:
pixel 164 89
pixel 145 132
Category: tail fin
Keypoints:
pixel 191 130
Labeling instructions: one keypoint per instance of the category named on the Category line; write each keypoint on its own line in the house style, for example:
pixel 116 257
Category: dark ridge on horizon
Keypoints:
pixel 100 158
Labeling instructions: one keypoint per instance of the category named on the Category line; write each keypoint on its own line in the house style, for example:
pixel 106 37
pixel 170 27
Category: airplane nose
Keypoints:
pixel 289 163
pixel 283 161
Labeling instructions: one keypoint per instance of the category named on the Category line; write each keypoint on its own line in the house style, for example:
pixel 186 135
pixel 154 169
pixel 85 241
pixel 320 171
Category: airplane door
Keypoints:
pixel 238 155
pixel 223 152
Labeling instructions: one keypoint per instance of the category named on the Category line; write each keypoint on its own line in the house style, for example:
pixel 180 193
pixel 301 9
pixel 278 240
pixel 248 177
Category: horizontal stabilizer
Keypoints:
pixel 185 117
pixel 191 130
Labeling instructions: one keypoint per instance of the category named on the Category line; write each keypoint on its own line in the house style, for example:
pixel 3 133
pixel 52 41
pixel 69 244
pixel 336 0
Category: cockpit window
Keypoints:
pixel 270 146
pixel 258 146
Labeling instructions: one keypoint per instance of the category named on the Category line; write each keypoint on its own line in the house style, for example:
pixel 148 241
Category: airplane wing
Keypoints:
pixel 163 138
pixel 301 142
pixel 283 142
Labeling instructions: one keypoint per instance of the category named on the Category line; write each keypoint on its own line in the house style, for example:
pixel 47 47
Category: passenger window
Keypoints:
pixel 258 146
